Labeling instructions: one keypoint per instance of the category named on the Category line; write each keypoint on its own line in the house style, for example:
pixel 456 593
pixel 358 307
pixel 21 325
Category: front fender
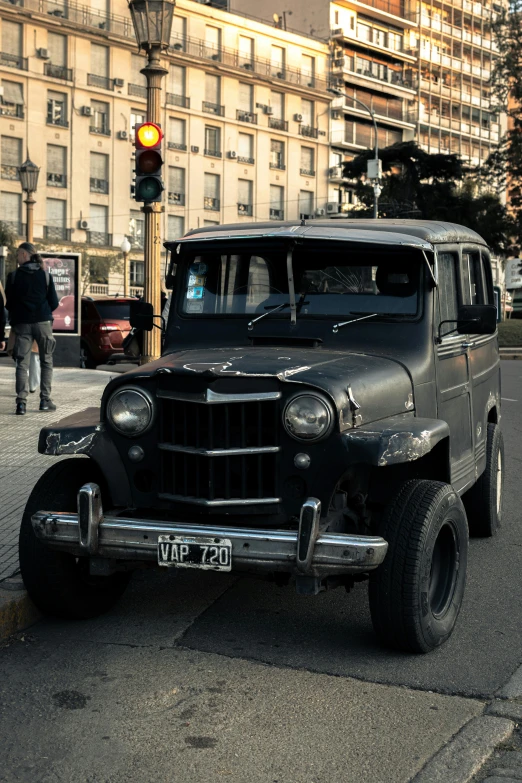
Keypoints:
pixel 394 440
pixel 84 433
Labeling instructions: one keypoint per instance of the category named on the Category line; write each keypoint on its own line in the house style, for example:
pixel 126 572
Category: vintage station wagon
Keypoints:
pixel 326 410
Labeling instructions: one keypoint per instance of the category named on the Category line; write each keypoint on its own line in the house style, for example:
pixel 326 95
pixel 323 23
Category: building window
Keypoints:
pixel 57 109
pixel 307 161
pixel 177 134
pixel 137 229
pixel 277 62
pixel 277 119
pixel 307 70
pixel 99 75
pixel 211 103
pixel 100 118
pixel 137 81
pixel 176 191
pixel 276 202
pixel 56 66
pixel 54 228
pixel 178 36
pixel 246 97
pixel 98 225
pixel 307 112
pixel 245 151
pixel 306 204
pixel 99 180
pixel 211 222
pixel 244 197
pixel 246 52
pixel 212 42
pixel 137 272
pixel 177 85
pixel 11 206
pixel 277 154
pixel 212 141
pixel 11 151
pixel 56 166
pixel 12 44
pixel 136 118
pixel 12 100
pixel 175 226
pixel 211 192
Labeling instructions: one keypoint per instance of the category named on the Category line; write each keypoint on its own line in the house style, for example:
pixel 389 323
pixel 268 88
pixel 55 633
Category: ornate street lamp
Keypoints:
pixel 152 20
pixel 28 173
pixel 125 248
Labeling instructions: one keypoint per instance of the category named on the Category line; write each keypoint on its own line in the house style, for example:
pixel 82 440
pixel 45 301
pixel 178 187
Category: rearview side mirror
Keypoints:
pixel 142 316
pixel 477 319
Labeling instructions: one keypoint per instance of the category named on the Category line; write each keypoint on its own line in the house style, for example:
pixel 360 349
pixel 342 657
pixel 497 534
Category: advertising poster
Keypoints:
pixel 65 269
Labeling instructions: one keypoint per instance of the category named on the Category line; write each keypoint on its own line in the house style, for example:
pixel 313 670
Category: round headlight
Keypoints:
pixel 130 411
pixel 308 417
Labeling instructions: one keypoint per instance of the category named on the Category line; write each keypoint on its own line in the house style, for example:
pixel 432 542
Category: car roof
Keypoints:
pixel 417 233
pixel 103 298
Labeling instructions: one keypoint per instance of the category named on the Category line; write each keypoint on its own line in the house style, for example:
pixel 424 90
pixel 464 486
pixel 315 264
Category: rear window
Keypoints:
pixel 113 311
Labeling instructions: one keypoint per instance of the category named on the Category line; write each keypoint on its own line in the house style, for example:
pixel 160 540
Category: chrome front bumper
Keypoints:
pixel 307 551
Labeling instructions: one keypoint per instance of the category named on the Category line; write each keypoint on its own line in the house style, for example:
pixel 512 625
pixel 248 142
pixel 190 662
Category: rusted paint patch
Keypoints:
pixel 404 447
pixel 59 443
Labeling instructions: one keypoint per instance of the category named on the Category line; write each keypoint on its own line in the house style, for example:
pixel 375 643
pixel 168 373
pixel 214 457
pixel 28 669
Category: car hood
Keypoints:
pixel 363 387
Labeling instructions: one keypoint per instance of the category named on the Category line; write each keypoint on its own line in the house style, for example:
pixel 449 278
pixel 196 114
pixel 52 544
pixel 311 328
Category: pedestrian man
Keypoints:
pixel 2 319
pixel 31 299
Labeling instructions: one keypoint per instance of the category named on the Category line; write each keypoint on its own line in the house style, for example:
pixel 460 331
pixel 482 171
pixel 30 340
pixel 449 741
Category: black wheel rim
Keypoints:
pixel 444 570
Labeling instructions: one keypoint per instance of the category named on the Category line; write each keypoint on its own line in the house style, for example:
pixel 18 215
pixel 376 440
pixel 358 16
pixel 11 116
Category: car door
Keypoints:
pixel 453 369
pixel 482 350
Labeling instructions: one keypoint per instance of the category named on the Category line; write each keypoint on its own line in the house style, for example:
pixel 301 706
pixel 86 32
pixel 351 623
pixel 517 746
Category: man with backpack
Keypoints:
pixel 31 298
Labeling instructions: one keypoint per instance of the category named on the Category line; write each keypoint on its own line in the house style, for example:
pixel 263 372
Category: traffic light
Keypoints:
pixel 149 184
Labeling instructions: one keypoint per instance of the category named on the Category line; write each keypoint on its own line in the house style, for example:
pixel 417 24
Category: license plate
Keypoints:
pixel 208 553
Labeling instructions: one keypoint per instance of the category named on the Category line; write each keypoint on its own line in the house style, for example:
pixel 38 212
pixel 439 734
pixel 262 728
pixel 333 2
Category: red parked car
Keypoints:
pixel 105 324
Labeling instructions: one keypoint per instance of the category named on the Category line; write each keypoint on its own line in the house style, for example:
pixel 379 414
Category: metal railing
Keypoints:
pixel 95 80
pixel 58 72
pixel 246 116
pixel 177 100
pixel 174 145
pixel 100 131
pixel 241 159
pixel 308 131
pixel 373 69
pixel 276 214
pixel 137 89
pixel 213 108
pixel 307 172
pixel 19 228
pixel 277 164
pixel 57 233
pixel 212 153
pixel 401 8
pixel 13 61
pixel 176 198
pixel 12 110
pixel 56 180
pixel 211 203
pixel 277 124
pixel 245 209
pixel 9 172
pixel 99 185
pixel 61 123
pixel 99 238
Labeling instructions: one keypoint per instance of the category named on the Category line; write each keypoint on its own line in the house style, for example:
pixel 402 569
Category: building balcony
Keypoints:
pixel 175 145
pixel 57 233
pixel 212 153
pixel 242 159
pixel 374 70
pixel 213 108
pixel 277 214
pixel 138 90
pixel 177 100
pixel 99 239
pixel 178 199
pixel 55 180
pixel 277 164
pixel 12 110
pixel 20 229
pixel 99 289
pixel 308 131
pixel 335 174
pixel 246 116
pixel 58 72
pixel 211 203
pixel 245 209
pixel 307 172
pixel 97 185
pixel 58 121
pixel 13 61
pixel 103 82
pixel 277 124
pixel 100 131
pixel 9 172
pixel 137 291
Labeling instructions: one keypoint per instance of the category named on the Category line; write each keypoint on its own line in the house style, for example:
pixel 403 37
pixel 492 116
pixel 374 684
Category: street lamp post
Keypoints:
pixel 152 20
pixel 125 249
pixel 28 173
pixel 374 166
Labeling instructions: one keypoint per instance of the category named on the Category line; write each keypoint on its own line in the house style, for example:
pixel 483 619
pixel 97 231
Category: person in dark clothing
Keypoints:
pixel 2 319
pixel 31 298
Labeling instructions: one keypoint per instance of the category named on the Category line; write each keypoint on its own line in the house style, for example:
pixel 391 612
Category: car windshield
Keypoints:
pixel 329 282
pixel 113 311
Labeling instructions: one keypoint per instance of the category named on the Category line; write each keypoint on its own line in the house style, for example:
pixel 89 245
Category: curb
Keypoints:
pixel 17 611
pixel 511 355
pixel 464 755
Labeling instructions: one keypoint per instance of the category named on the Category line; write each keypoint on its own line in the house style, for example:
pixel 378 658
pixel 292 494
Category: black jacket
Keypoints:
pixel 2 318
pixel 29 299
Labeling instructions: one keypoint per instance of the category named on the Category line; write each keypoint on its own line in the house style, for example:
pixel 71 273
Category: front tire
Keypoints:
pixel 416 594
pixel 58 583
pixel 483 502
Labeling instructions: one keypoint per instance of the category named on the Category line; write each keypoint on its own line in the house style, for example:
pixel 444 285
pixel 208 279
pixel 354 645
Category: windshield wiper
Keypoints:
pixel 272 310
pixel 336 327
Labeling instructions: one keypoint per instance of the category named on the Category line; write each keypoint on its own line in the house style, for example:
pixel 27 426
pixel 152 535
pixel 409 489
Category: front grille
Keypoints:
pixel 219 454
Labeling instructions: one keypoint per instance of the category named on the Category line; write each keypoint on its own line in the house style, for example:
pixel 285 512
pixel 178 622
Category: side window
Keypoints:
pixel 487 279
pixel 448 300
pixel 472 284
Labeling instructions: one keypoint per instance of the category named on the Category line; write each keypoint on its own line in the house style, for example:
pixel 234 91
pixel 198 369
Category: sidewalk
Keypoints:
pixel 20 464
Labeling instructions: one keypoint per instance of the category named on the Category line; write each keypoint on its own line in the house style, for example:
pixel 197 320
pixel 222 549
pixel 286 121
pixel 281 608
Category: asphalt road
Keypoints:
pixel 203 677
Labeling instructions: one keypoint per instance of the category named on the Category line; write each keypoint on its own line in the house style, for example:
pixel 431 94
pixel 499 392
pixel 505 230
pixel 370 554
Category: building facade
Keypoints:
pixel 245 112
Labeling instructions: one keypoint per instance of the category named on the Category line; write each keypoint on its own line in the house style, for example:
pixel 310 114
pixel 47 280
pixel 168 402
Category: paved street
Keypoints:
pixel 206 677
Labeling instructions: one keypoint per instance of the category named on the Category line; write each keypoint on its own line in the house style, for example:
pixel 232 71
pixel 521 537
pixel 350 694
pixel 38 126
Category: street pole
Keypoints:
pixel 125 274
pixel 154 73
pixel 30 201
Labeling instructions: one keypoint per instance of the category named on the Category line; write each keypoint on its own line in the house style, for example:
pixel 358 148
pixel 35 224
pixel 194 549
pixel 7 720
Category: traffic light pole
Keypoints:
pixel 154 73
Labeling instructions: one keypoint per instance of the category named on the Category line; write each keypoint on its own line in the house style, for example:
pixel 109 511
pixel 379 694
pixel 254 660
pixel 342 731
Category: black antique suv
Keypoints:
pixel 326 410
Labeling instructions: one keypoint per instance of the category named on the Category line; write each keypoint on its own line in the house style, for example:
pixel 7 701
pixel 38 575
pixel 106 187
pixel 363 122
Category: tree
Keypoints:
pixel 432 187
pixel 98 268
pixel 503 169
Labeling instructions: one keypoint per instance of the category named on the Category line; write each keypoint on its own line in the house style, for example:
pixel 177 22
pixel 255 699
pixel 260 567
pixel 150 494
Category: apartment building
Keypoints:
pixel 245 111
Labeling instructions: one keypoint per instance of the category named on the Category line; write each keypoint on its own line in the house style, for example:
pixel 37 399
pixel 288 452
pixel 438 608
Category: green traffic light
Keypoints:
pixel 148 189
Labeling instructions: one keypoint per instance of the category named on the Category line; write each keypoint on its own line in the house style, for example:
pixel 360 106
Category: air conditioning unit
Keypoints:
pixel 86 111
pixel 84 224
pixel 337 172
pixel 298 117
pixel 194 149
pixel 339 62
pixel 332 208
pixel 269 110
pixel 337 114
pixel 119 82
pixel 320 212
pixel 123 135
pixel 43 54
pixel 232 154
pixel 338 52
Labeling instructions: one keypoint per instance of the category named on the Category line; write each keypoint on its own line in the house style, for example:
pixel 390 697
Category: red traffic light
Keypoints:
pixel 148 135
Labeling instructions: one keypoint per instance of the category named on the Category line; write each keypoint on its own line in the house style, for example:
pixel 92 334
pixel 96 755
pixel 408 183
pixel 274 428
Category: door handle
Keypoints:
pixel 467 345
